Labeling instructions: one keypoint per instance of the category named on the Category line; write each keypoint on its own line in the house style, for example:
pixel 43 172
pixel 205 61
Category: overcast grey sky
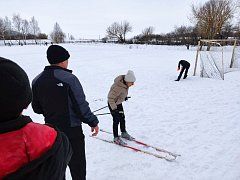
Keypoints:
pixel 90 18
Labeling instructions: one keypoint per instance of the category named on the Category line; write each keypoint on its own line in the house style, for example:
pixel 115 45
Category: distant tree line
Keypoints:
pixel 214 19
pixel 211 20
pixel 20 29
pixel 180 36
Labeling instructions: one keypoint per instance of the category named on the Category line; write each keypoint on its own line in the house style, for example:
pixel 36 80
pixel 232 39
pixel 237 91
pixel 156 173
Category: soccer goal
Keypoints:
pixel 217 57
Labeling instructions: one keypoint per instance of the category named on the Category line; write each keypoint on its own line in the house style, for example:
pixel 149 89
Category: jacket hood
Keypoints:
pixel 119 81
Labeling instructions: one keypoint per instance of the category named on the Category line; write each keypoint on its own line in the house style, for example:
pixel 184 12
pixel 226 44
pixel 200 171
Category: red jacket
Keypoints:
pixel 21 146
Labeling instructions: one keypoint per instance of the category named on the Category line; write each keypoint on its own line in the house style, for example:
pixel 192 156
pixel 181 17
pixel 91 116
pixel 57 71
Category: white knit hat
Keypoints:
pixel 130 77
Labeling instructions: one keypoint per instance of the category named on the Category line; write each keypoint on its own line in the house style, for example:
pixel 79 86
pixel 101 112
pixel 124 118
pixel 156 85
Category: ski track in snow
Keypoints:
pixel 197 117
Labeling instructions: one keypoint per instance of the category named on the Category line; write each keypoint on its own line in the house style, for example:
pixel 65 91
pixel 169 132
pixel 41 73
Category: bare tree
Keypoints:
pixel 148 31
pixel 238 16
pixel 17 23
pixel 25 29
pixel 212 16
pixel 113 31
pixel 146 35
pixel 34 28
pixel 71 37
pixel 119 30
pixel 126 27
pixel 228 30
pixel 8 26
pixel 1 28
pixel 5 28
pixel 57 35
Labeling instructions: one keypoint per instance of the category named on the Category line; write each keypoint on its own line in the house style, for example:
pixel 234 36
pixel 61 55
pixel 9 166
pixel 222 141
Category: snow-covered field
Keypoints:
pixel 197 118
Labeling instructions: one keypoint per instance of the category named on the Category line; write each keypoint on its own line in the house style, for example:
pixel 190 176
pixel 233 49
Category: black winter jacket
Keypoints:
pixel 59 96
pixel 183 63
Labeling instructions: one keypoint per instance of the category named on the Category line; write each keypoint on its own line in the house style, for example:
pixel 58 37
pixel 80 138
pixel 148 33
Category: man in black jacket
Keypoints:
pixel 59 96
pixel 185 67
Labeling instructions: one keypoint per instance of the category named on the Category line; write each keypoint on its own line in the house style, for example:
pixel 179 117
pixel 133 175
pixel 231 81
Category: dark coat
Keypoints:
pixel 59 96
pixel 184 64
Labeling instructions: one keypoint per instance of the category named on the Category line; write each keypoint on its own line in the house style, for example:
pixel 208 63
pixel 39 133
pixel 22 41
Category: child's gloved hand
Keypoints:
pixel 178 69
pixel 117 112
pixel 126 98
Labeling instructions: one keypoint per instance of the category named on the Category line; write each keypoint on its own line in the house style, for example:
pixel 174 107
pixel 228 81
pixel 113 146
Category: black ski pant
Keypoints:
pixel 118 118
pixel 77 164
pixel 184 68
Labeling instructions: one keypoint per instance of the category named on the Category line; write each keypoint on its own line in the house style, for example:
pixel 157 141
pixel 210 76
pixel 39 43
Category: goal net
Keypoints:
pixel 235 62
pixel 217 57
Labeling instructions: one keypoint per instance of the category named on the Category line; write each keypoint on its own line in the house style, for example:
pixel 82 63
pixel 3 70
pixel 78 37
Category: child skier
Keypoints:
pixel 117 94
pixel 185 66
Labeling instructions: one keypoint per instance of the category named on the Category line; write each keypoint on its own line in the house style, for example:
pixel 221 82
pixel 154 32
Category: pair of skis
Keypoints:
pixel 163 154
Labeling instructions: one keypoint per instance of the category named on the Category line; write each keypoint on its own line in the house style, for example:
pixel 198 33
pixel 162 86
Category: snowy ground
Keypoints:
pixel 197 118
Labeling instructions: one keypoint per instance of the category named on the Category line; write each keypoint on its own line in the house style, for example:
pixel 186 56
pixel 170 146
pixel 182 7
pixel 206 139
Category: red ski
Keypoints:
pixel 166 157
pixel 149 146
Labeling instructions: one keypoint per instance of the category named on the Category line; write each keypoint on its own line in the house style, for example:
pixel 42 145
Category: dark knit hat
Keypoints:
pixel 15 90
pixel 57 54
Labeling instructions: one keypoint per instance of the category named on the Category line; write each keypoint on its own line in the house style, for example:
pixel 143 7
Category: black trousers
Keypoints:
pixel 77 164
pixel 118 118
pixel 184 68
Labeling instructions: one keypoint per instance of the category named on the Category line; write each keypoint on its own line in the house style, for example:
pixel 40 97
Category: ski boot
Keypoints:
pixel 119 141
pixel 125 135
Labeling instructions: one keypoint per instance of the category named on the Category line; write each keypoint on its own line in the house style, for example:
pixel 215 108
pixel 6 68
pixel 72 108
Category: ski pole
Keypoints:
pixel 102 114
pixel 100 109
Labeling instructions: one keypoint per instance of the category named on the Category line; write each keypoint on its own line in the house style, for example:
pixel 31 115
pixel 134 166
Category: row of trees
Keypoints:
pixel 20 29
pixel 212 20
